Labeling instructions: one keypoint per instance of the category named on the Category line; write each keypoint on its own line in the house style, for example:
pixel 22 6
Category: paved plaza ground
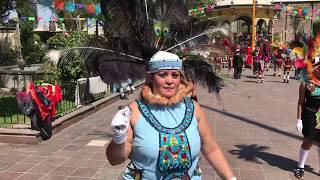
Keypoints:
pixel 253 123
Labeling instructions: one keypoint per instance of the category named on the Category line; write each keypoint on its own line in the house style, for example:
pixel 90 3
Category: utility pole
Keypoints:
pixel 253 36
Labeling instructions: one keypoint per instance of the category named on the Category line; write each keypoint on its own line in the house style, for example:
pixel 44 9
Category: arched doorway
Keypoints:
pixel 264 29
pixel 242 31
pixel 262 26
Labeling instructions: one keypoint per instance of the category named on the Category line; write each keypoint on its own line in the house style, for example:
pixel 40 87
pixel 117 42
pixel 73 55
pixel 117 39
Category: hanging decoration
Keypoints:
pixel 201 10
pixel 59 4
pixel 53 18
pixel 303 12
pixel 70 7
pixel 90 8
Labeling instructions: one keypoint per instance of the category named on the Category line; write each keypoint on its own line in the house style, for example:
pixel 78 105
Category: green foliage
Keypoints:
pixel 72 39
pixel 32 49
pixel 5 7
pixel 68 72
pixel 73 68
pixel 8 57
pixel 37 50
pixel 276 37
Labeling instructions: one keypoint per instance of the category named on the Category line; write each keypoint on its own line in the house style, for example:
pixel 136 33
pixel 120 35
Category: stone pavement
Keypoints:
pixel 253 123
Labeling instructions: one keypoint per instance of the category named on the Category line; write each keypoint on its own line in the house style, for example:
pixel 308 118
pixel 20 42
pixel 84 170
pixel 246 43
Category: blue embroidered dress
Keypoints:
pixel 166 143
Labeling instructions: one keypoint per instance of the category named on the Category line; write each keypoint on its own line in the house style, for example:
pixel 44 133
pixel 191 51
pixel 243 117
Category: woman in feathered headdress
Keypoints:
pixel 163 132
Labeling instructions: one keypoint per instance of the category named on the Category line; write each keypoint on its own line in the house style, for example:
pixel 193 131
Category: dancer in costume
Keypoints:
pixel 255 56
pixel 237 63
pixel 259 65
pixel 308 114
pixel 287 65
pixel 278 62
pixel 163 131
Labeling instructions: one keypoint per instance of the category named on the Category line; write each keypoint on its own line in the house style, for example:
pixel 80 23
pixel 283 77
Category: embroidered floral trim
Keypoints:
pixel 174 152
pixel 174 149
pixel 180 175
pixel 155 123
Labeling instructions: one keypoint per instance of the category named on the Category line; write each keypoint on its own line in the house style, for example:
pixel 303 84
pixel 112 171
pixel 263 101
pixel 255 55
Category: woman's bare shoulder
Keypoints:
pixel 197 110
pixel 135 113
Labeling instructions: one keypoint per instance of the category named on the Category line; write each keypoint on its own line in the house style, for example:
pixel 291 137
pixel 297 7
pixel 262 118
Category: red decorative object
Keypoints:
pixel 164 138
pixel 181 137
pixel 59 4
pixel 166 157
pixel 91 8
pixel 184 156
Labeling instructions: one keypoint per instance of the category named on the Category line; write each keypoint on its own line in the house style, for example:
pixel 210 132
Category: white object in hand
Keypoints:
pixel 299 127
pixel 120 124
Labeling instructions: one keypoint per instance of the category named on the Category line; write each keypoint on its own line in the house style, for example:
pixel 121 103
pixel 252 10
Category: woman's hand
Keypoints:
pixel 120 124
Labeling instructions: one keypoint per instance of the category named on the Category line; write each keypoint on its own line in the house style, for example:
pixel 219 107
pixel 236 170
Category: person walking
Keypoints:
pixel 237 63
pixel 256 61
pixel 163 132
pixel 287 65
pixel 308 122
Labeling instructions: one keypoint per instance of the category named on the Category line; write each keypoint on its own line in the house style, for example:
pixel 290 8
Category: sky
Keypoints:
pixel 43 12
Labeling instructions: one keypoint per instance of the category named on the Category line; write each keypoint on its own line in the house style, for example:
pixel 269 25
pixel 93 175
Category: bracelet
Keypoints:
pixel 233 178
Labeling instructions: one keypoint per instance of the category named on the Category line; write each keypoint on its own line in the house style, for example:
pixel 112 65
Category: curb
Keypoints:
pixel 28 136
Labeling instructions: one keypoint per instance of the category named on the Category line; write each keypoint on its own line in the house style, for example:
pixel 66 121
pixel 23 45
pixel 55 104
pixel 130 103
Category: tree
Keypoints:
pixel 31 51
pixel 5 7
pixel 294 23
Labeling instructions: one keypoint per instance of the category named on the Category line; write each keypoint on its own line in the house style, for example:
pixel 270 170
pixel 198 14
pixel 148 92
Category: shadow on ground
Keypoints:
pixel 257 154
pixel 250 121
pixel 252 81
pixel 281 82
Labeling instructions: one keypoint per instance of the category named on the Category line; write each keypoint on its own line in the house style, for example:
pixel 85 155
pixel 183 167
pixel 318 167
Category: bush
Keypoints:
pixel 9 57
pixel 276 37
pixel 68 72
pixel 37 51
pixel 68 39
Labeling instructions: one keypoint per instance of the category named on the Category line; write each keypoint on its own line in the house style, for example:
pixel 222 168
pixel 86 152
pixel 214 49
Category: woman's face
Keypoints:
pixel 166 82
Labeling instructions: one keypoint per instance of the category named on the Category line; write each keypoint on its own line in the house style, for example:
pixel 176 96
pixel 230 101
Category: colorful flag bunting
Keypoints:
pixel 59 4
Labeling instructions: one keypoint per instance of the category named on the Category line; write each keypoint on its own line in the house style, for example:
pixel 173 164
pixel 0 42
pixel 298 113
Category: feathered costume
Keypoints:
pixel 310 114
pixel 141 36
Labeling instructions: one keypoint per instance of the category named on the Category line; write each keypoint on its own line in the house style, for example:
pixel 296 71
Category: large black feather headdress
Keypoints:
pixel 135 37
pixel 114 67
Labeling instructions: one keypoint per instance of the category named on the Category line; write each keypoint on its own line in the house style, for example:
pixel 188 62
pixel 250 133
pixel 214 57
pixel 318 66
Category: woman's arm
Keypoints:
pixel 119 153
pixel 210 148
pixel 301 101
